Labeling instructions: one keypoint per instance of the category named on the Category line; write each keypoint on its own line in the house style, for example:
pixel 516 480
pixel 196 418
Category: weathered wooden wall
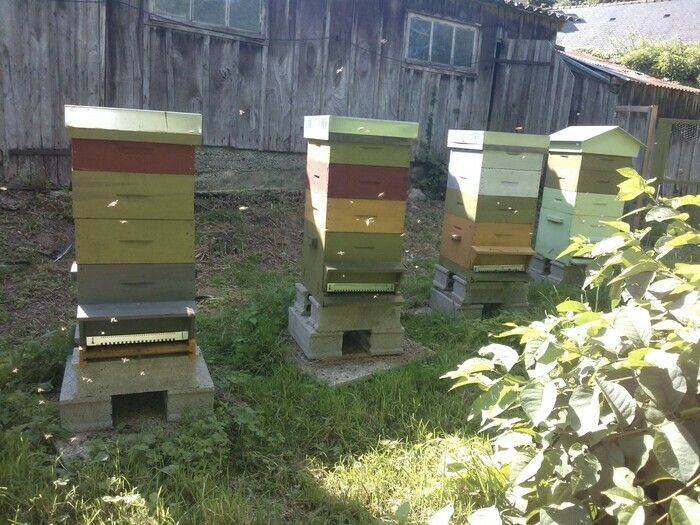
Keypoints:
pixel 532 88
pixel 322 56
pixel 51 54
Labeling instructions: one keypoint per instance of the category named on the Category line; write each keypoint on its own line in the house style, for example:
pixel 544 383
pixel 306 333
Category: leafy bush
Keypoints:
pixel 598 416
pixel 674 60
pixel 429 173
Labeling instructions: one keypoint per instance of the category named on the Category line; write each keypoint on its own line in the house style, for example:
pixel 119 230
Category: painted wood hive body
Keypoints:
pixel 581 185
pixel 133 205
pixel 491 200
pixel 356 185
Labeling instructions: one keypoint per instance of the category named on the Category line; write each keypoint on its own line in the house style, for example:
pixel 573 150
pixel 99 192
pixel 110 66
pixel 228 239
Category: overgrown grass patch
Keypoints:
pixel 279 447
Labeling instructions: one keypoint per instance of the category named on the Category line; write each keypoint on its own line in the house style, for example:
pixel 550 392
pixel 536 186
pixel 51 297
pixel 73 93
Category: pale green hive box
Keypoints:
pixel 351 129
pixel 595 140
pixel 136 125
pixel 481 140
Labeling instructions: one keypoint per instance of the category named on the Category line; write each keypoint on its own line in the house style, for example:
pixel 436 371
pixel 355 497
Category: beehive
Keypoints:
pixel 581 185
pixel 356 183
pixel 133 205
pixel 491 200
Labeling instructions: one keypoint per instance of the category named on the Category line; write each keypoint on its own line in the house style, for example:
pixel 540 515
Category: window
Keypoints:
pixel 438 42
pixel 242 15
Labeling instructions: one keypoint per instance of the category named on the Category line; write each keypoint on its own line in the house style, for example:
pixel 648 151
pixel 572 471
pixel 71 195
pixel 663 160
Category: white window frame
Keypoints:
pixel 188 24
pixel 428 64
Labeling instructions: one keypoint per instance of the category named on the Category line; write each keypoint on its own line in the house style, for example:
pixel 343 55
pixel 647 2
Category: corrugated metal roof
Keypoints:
pixel 551 13
pixel 624 73
pixel 599 26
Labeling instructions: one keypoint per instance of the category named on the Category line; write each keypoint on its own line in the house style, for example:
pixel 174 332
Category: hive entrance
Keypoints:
pixel 136 409
pixel 356 341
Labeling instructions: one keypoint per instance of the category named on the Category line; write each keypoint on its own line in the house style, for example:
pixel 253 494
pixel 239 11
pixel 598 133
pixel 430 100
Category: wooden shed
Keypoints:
pixel 255 68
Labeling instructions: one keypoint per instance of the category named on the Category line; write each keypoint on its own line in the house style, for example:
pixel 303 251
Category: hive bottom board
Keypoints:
pixel 326 331
pixel 467 295
pixel 88 389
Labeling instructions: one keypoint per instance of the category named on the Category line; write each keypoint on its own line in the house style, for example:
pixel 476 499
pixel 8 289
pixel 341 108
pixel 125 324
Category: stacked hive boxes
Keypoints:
pixel 357 179
pixel 490 211
pixel 133 205
pixel 580 191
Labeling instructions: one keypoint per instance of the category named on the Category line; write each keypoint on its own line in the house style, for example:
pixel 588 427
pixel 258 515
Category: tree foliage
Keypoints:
pixel 597 416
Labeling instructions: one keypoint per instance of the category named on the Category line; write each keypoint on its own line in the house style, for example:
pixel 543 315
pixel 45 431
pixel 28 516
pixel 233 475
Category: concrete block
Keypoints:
pixel 441 301
pixel 375 316
pixel 442 279
pixel 301 300
pixel 86 393
pixel 566 274
pixel 385 343
pixel 538 265
pixel 314 344
pixel 489 292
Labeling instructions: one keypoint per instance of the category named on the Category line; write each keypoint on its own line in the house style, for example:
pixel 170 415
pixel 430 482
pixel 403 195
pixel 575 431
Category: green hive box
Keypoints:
pixel 353 241
pixel 134 230
pixel 581 185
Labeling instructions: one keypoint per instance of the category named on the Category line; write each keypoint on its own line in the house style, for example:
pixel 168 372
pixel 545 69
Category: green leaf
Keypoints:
pixel 488 515
pixel 620 401
pixel 664 213
pixel 636 449
pixel 538 400
pixel 631 515
pixel 676 450
pixel 684 511
pixel 608 245
pixel 632 187
pixel 689 271
pixel 565 514
pixel 529 470
pixel 584 415
pixel 586 472
pixel 685 200
pixel 634 322
pixel 685 239
pixel 501 355
pixel 663 382
pixel 402 513
pixel 571 306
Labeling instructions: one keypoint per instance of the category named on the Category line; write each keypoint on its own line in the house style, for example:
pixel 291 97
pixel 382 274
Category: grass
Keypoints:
pixel 279 447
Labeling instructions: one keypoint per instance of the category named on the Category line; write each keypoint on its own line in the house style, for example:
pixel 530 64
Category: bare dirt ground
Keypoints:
pixel 36 235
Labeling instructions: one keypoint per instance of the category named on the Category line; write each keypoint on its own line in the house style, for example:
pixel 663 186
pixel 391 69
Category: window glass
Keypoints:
pixel 419 39
pixel 209 11
pixel 464 48
pixel 442 43
pixel 179 8
pixel 245 14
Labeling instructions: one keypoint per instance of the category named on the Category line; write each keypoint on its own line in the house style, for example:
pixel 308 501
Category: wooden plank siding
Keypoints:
pixel 343 57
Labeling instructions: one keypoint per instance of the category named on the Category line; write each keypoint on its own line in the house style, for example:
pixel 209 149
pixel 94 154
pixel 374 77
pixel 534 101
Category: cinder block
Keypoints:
pixel 566 274
pixel 538 265
pixel 385 343
pixel 314 344
pixel 86 393
pixel 376 316
pixel 442 302
pixel 301 300
pixel 489 292
pixel 443 278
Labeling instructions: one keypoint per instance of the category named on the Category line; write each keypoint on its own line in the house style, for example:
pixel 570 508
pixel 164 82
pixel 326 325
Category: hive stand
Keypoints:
pixel 133 204
pixel 322 331
pixel 467 295
pixel 356 185
pixel 88 389
pixel 490 210
pixel 580 191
